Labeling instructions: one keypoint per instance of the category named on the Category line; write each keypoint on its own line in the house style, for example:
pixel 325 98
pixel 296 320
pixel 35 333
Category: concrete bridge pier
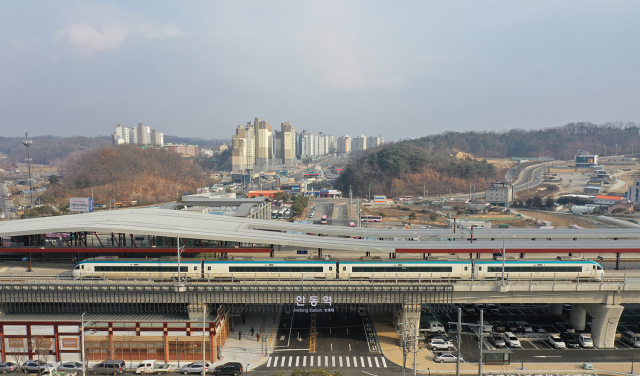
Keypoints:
pixel 196 311
pixel 578 317
pixel 408 315
pixel 555 309
pixel 604 324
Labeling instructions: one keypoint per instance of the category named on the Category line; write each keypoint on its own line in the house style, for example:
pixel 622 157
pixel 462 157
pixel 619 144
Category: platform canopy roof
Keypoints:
pixel 172 223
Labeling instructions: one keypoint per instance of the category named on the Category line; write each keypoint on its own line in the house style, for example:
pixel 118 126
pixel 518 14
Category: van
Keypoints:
pixel 630 338
pixel 110 367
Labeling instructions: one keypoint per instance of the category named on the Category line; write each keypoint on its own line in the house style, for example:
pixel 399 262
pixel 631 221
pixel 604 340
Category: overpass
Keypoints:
pixel 406 298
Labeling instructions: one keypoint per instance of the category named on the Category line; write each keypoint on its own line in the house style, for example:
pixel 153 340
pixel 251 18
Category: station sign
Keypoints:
pixel 81 204
pixel 310 304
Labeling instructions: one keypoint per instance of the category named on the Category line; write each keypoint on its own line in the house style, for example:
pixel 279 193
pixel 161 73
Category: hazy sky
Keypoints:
pixel 401 69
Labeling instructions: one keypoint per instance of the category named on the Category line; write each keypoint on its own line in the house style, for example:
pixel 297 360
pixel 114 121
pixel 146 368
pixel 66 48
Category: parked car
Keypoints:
pixel 486 327
pixel 511 340
pixel 443 337
pixel 445 357
pixel 7 367
pixel 630 338
pixel 510 326
pixel 70 367
pixel 440 344
pixel 467 309
pixel 110 367
pixel 565 327
pixel 37 366
pixel 585 340
pixel 453 328
pixel 195 367
pixel 570 340
pixel 499 326
pixel 524 327
pixel 492 309
pixel 231 368
pixel 556 341
pixel 497 340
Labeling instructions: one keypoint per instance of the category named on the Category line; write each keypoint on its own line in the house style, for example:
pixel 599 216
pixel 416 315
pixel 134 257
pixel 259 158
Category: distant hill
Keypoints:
pixel 48 149
pixel 409 167
pixel 196 141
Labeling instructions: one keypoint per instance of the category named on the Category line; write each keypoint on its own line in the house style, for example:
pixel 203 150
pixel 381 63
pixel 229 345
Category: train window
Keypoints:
pixel 195 268
pixel 480 268
pixel 330 268
pixel 208 268
pixel 466 268
pixel 599 267
pixel 344 268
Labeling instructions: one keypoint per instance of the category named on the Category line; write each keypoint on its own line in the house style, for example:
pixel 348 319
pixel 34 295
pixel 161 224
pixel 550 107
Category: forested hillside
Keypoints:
pixel 126 173
pixel 408 167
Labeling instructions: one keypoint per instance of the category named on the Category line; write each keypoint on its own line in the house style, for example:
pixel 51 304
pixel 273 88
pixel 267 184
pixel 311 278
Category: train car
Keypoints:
pixel 294 268
pixel 158 268
pixel 538 270
pixel 403 269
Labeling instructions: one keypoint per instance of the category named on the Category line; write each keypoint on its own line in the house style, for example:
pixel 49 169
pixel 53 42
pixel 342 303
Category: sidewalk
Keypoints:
pixel 389 344
pixel 248 350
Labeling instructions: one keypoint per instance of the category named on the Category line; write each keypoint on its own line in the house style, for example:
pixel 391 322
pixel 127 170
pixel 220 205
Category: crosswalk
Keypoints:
pixel 333 361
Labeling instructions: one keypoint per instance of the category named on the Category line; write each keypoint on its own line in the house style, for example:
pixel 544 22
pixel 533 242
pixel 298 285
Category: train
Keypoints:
pixel 304 268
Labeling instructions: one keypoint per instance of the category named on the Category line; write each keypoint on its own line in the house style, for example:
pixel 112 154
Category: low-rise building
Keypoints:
pixel 633 192
pixel 499 192
pixel 607 200
pixel 584 159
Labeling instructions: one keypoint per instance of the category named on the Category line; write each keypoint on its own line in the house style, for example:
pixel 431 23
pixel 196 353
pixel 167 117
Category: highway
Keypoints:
pixel 5 203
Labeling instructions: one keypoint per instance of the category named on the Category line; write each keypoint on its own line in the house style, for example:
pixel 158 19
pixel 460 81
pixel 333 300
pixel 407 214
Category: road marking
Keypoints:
pixel 340 359
pixel 547 356
pixel 290 360
pixel 311 362
pixel 349 347
pixel 532 344
pixel 348 363
pixel 333 361
pixel 369 373
pixel 384 362
pixel 326 361
pixel 282 364
pixel 355 361
pixel 269 362
pixel 297 360
pixel 377 364
pixel 369 360
pixel 304 361
pixel 362 361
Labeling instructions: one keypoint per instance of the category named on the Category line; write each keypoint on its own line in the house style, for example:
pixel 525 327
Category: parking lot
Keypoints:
pixel 535 345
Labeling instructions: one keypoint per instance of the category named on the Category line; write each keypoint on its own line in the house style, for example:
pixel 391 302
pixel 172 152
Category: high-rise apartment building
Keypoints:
pixel 285 145
pixel 140 135
pixel 359 144
pixel 144 134
pixel 373 142
pixel 344 144
pixel 252 147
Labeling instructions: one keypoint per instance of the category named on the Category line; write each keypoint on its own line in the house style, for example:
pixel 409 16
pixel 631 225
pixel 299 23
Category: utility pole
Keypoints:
pixel 28 143
pixel 481 331
pixel 204 331
pixel 459 340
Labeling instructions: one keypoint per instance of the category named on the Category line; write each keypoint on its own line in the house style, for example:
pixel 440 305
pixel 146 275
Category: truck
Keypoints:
pixel 433 327
pixel 152 366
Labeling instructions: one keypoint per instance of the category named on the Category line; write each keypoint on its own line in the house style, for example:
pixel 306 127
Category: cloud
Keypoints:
pixel 88 39
pixel 337 56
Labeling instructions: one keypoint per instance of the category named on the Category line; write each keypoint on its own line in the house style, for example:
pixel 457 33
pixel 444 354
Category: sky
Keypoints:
pixel 400 69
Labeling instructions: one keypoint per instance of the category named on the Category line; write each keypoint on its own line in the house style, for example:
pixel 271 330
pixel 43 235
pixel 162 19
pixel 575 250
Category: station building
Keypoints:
pixel 172 338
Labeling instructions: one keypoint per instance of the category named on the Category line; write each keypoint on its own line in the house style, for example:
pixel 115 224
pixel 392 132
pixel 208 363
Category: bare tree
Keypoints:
pixel 20 348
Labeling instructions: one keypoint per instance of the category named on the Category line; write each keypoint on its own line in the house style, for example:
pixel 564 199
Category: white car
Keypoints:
pixel 440 344
pixel 511 340
pixel 556 341
pixel 70 367
pixel 585 340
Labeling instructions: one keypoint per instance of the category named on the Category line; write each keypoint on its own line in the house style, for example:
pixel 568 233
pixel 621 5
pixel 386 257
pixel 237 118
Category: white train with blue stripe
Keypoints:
pixel 296 268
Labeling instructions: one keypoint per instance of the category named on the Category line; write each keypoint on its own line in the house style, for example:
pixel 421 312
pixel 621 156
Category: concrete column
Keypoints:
pixel 604 324
pixel 555 309
pixel 410 313
pixel 196 312
pixel 578 317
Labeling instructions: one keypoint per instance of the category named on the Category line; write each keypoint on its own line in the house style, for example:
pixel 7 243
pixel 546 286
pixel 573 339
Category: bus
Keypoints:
pixel 274 214
pixel 323 220
pixel 405 198
pixel 370 218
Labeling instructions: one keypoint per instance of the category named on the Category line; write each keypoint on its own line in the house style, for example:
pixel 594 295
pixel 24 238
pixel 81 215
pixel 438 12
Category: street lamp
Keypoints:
pixel 82 323
pixel 28 143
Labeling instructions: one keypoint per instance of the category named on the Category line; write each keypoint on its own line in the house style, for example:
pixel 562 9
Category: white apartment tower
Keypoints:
pixel 344 144
pixel 359 144
pixel 157 138
pixel 144 134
